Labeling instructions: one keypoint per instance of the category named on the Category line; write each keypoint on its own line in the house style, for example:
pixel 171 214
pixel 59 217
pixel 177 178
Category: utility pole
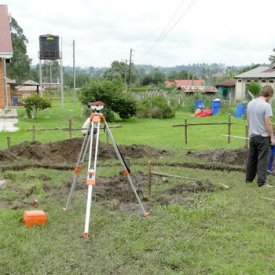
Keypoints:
pixel 130 67
pixel 74 69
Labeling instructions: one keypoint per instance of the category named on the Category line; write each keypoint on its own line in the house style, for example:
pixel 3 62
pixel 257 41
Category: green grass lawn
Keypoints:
pixel 220 232
pixel 155 132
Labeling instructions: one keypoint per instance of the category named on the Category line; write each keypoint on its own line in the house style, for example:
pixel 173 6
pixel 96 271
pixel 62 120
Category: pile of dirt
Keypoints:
pixel 67 151
pixel 231 156
pixel 115 194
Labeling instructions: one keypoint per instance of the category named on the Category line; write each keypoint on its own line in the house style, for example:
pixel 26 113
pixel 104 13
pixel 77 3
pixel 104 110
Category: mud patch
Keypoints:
pixel 179 194
pixel 232 157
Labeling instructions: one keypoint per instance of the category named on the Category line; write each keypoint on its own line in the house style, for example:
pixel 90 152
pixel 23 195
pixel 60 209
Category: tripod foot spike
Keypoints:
pixel 86 235
pixel 146 214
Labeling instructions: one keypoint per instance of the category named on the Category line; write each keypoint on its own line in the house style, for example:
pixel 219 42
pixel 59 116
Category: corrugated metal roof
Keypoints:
pixel 202 89
pixel 227 83
pixel 183 82
pixel 259 72
pixel 5 34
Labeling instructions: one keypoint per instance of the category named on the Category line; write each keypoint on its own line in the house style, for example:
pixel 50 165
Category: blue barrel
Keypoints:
pixel 14 100
pixel 199 104
pixel 240 110
pixel 215 106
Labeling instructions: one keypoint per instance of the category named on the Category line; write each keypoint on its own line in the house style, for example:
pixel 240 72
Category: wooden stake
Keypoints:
pixel 33 133
pixel 149 183
pixel 185 130
pixel 9 142
pixel 70 128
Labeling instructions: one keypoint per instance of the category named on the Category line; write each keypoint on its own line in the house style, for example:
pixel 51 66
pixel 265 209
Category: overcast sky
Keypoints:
pixel 161 33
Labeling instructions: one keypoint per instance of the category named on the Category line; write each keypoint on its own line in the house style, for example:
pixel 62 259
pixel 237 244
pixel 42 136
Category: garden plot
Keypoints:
pixel 113 193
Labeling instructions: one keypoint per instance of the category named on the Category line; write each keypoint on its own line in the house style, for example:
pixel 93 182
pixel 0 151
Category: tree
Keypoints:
pixel 34 103
pixel 181 75
pixel 19 66
pixel 154 78
pixel 272 57
pixel 117 70
pixel 120 70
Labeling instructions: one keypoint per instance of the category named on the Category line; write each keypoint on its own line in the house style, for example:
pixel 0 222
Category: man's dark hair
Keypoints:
pixel 267 91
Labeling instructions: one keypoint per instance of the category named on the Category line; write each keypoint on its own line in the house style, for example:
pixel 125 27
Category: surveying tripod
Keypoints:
pixel 87 145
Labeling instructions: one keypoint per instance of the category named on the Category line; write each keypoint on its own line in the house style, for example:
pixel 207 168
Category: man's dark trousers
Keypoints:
pixel 259 148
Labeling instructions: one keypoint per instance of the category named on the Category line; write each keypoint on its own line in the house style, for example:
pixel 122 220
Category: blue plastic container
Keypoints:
pixel 215 106
pixel 199 104
pixel 240 110
pixel 14 100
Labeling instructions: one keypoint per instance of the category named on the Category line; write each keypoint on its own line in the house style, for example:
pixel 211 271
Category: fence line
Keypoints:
pixel 186 124
pixel 68 129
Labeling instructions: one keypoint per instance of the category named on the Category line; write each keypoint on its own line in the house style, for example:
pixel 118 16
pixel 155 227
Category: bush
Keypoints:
pixel 155 107
pixel 34 103
pixel 111 93
pixel 254 88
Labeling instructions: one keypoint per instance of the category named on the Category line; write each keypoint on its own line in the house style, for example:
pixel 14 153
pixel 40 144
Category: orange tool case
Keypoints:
pixel 34 217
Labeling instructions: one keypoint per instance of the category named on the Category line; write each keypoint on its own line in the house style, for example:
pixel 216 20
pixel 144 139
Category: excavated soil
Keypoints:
pixel 66 152
pixel 112 193
pixel 232 156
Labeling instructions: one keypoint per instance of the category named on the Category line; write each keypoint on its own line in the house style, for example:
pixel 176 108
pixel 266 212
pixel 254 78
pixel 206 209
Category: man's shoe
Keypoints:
pixel 265 185
pixel 269 172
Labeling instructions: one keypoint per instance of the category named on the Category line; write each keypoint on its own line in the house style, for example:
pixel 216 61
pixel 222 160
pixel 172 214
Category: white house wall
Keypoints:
pixel 241 86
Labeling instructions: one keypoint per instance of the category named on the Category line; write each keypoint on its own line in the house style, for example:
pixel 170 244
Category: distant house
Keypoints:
pixel 226 89
pixel 263 75
pixel 191 86
pixel 183 83
pixel 6 53
pixel 27 88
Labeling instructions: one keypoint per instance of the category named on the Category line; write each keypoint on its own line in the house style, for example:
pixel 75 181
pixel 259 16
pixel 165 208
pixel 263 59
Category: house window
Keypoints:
pixel 263 81
pixel 239 80
pixel 271 81
pixel 248 81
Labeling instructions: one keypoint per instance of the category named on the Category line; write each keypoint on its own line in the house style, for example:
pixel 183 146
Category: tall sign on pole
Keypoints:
pixel 49 46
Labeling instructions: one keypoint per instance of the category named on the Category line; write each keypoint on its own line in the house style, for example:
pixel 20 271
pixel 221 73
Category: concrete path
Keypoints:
pixel 8 121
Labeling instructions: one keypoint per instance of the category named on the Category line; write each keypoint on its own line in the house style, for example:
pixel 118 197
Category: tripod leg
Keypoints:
pixel 78 166
pixel 88 211
pixel 91 176
pixel 126 172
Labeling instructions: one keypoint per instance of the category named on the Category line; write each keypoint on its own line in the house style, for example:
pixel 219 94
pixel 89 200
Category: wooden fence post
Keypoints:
pixel 9 142
pixel 70 128
pixel 185 130
pixel 229 127
pixel 33 133
pixel 149 183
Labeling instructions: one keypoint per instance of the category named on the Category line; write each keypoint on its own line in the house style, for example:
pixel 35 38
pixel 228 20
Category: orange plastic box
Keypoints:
pixel 34 217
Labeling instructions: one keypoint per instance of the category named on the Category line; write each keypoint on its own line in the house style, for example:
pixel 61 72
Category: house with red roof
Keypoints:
pixel 6 53
pixel 189 86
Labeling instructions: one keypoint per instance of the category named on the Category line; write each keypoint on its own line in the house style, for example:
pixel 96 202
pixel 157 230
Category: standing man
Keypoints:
pixel 259 115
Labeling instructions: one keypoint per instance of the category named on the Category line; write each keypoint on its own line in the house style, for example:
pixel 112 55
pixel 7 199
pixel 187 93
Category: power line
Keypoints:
pixel 169 22
pixel 165 32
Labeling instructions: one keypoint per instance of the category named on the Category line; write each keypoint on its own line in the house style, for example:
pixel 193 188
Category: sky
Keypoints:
pixel 160 33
